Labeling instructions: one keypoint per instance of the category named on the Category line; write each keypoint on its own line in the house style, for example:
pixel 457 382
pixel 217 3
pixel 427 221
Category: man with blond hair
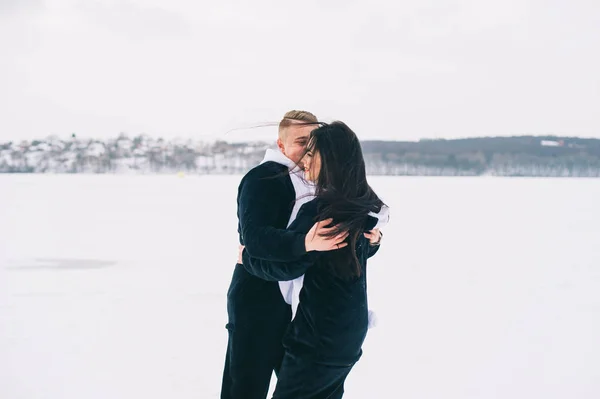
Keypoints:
pixel 259 311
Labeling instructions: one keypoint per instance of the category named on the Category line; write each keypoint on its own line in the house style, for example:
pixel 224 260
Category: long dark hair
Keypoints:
pixel 343 191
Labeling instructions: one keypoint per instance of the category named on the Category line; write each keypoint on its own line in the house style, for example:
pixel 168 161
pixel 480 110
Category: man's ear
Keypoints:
pixel 281 146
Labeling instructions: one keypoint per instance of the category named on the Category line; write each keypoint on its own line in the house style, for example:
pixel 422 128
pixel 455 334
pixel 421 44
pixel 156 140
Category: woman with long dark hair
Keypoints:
pixel 325 338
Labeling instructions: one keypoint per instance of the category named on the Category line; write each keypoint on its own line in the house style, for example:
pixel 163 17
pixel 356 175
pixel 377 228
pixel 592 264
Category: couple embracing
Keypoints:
pixel 297 303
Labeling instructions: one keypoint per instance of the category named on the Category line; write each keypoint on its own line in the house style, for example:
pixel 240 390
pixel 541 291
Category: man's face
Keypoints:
pixel 294 140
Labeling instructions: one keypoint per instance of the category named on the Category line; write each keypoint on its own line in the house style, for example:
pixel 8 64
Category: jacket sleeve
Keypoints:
pixel 288 270
pixel 373 249
pixel 258 208
pixel 277 271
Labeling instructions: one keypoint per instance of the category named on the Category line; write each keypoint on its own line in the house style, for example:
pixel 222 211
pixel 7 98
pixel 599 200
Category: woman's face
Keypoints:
pixel 312 165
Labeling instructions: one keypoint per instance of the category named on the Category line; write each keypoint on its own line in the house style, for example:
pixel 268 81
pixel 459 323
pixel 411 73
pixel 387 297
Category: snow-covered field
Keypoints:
pixel 113 287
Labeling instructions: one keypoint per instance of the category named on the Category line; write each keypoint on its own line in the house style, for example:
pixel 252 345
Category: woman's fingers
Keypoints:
pixel 373 236
pixel 342 236
pixel 338 241
pixel 325 230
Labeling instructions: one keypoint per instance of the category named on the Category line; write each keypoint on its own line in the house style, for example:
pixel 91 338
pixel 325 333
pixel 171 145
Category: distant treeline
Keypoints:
pixel 503 156
pixel 547 156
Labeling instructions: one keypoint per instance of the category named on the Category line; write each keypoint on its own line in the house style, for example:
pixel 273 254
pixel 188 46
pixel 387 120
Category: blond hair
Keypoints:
pixel 294 117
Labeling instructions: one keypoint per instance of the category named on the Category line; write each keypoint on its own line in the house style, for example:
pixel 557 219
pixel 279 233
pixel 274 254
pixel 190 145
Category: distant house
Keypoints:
pixel 552 143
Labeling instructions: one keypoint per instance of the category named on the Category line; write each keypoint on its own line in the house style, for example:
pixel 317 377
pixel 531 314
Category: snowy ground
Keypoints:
pixel 114 287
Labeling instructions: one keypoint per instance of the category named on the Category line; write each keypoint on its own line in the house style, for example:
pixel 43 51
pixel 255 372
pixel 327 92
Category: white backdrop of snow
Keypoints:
pixel 114 287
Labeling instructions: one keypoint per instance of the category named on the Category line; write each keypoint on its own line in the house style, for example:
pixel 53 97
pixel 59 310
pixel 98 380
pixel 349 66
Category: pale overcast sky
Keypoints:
pixel 391 69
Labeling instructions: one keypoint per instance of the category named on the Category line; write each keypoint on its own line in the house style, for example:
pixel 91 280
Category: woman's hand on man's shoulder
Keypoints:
pixel 374 236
